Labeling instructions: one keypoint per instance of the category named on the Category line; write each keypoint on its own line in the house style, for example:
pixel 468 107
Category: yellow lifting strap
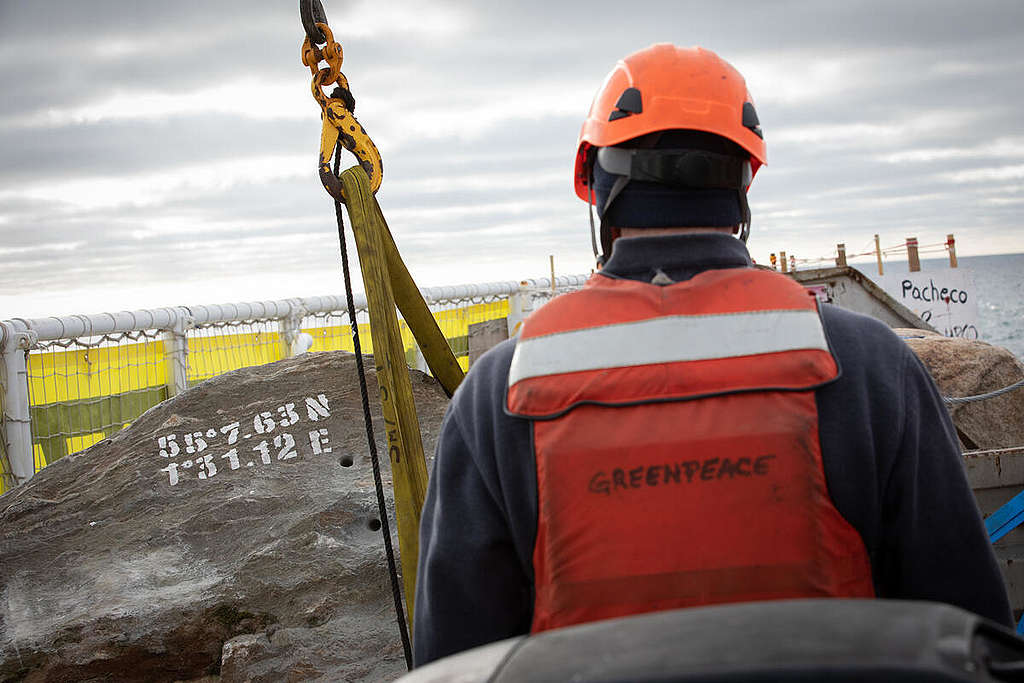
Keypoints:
pixel 387 283
pixel 405 447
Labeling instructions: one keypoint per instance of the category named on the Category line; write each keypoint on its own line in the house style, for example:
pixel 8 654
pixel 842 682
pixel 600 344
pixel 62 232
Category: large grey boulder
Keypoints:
pixel 962 367
pixel 229 530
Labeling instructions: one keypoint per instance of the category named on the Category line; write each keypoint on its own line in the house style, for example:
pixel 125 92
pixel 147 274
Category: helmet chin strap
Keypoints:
pixel 745 222
pixel 598 256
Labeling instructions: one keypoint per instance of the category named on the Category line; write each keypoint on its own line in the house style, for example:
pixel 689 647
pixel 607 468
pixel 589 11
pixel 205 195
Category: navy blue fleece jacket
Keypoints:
pixel 889 450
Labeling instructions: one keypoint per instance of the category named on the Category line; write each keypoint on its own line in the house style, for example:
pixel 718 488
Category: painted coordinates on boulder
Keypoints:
pixel 227 445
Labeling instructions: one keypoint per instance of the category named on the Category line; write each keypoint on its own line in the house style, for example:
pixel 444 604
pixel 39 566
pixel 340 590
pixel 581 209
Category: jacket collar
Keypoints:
pixel 679 257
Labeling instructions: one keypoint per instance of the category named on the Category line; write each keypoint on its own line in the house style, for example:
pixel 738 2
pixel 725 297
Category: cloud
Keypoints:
pixel 416 20
pixel 874 135
pixel 9 252
pixel 157 186
pixel 145 140
pixel 1007 147
pixel 280 100
pixel 987 174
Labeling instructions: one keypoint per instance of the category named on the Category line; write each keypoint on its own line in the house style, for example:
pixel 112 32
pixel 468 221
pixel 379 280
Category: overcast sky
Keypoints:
pixel 164 153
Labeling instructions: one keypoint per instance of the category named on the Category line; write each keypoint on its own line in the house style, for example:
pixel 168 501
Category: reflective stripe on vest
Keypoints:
pixel 680 477
pixel 626 342
pixel 668 339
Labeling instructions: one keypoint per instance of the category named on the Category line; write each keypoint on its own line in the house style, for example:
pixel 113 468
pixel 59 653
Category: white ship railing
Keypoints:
pixel 54 368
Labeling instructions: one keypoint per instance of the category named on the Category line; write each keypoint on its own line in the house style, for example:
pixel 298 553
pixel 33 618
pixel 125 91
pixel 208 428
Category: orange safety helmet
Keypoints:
pixel 664 87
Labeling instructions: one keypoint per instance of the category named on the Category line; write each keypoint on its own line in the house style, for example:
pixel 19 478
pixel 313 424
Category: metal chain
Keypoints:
pixel 338 111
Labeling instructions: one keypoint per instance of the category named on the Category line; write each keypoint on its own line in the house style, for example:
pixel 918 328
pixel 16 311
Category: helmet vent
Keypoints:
pixel 629 103
pixel 750 119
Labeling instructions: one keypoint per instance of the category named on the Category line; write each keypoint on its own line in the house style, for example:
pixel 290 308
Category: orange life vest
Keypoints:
pixel 677 451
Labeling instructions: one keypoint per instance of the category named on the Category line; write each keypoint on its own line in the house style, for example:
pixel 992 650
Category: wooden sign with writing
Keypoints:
pixel 945 299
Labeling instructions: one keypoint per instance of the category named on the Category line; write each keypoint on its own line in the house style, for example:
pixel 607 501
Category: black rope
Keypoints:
pixel 364 392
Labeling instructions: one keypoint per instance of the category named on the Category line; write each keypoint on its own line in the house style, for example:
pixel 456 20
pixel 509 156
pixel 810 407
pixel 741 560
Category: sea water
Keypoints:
pixel 999 283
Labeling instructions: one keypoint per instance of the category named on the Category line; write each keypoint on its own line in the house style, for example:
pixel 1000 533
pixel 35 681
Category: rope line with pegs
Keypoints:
pixel 339 122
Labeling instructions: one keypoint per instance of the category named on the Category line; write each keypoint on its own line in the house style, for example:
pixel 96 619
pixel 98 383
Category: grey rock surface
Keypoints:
pixel 962 367
pixel 229 531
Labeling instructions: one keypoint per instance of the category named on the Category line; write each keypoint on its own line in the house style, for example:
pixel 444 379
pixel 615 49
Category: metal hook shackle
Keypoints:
pixel 339 121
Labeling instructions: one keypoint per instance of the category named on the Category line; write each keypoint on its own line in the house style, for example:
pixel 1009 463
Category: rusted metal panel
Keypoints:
pixel 482 336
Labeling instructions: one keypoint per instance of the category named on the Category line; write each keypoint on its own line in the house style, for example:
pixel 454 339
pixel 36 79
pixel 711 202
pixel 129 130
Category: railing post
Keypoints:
pixel 841 255
pixel 290 326
pixel 520 306
pixel 878 254
pixel 951 246
pixel 16 417
pixel 784 262
pixel 176 352
pixel 421 361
